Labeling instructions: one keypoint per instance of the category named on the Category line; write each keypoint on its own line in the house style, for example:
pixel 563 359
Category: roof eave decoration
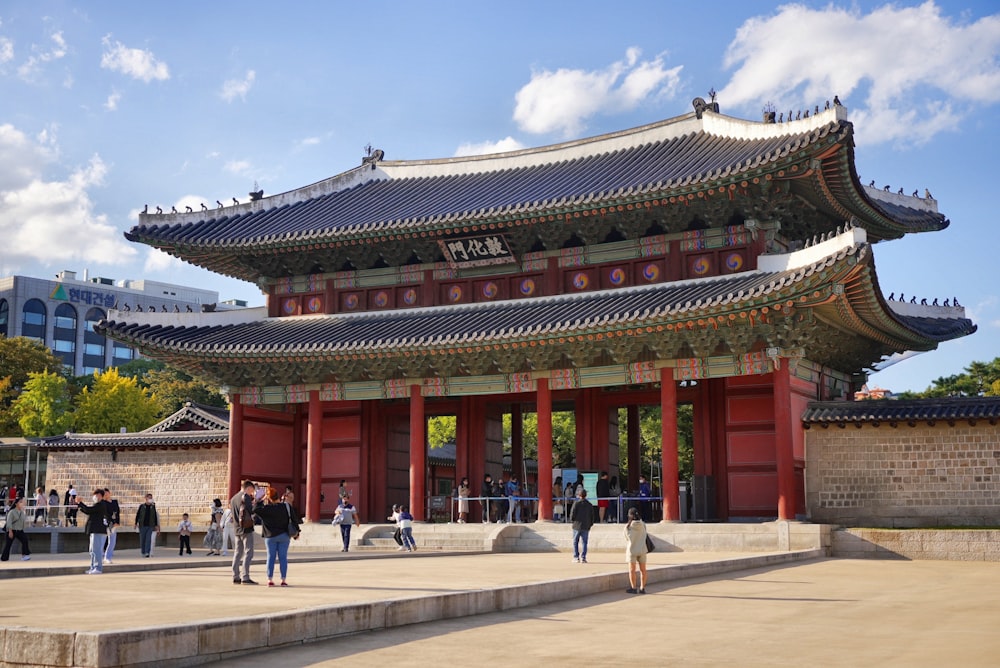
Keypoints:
pixel 898 412
pixel 788 298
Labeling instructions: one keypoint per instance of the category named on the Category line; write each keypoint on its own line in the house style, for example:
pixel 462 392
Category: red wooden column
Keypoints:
pixel 544 404
pixel 235 444
pixel 314 457
pixel 783 444
pixel 418 453
pixel 668 482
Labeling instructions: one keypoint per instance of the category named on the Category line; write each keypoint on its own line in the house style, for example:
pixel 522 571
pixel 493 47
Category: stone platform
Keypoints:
pixel 175 610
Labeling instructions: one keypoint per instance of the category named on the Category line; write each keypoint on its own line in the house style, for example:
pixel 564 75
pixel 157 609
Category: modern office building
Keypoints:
pixel 61 313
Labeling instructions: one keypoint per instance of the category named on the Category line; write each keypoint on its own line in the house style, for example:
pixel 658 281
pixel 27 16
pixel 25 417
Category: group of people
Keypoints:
pixel 502 501
pixel 279 526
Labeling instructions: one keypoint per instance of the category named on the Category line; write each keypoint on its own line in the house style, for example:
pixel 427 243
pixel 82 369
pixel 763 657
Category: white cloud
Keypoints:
pixel 40 56
pixel 488 147
pixel 136 63
pixel 112 102
pixel 158 261
pixel 239 167
pixel 563 100
pixel 52 221
pixel 6 50
pixel 233 88
pixel 916 72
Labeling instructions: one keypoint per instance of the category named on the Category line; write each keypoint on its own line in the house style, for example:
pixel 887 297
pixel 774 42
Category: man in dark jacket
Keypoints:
pixel 147 521
pixel 486 491
pixel 242 507
pixel 96 529
pixel 582 517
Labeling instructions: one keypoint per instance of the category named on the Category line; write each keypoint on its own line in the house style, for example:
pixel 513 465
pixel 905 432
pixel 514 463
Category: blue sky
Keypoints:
pixel 105 107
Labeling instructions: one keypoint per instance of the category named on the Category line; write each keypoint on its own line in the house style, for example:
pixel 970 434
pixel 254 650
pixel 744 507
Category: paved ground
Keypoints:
pixel 831 612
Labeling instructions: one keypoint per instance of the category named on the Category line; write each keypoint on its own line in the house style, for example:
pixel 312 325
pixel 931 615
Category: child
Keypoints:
pixel 406 527
pixel 184 530
pixel 397 535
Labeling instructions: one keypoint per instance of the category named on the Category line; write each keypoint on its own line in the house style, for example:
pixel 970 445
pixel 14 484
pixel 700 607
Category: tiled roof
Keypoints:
pixel 903 410
pixel 205 417
pixel 462 325
pixel 418 196
pixel 143 440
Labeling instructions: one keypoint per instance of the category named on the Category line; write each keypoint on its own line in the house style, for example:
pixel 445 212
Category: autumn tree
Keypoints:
pixel 114 402
pixel 978 379
pixel 171 386
pixel 20 357
pixel 43 407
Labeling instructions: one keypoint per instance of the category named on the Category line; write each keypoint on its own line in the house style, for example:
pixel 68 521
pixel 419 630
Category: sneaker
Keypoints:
pixel 237 581
pixel 631 590
pixel 248 581
pixel 89 571
pixel 400 549
pixel 26 557
pixel 642 591
pixel 284 584
pixel 576 560
pixel 583 560
pixel 108 561
pixel 270 583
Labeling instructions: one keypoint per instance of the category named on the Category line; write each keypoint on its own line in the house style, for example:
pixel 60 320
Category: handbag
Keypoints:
pixel 293 528
pixel 337 519
pixel 650 546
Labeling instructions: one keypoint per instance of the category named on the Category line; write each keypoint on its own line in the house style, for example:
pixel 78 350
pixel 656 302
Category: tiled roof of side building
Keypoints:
pixel 903 410
pixel 415 196
pixel 202 438
pixel 495 321
pixel 201 415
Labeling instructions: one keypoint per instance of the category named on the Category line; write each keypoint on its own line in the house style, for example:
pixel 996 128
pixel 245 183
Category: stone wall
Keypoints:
pixel 943 544
pixel 920 476
pixel 180 480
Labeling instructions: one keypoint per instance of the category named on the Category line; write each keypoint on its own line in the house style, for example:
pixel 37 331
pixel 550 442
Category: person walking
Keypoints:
pixel 213 539
pixel 96 529
pixel 54 508
pixel 397 535
pixel 114 522
pixel 242 507
pixel 464 492
pixel 147 522
pixel 41 506
pixel 17 519
pixel 582 517
pixel 635 552
pixel 275 516
pixel 406 529
pixel 348 515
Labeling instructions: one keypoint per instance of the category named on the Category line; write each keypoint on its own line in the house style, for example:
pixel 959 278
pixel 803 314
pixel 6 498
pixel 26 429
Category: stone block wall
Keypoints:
pixel 180 480
pixel 921 476
pixel 940 544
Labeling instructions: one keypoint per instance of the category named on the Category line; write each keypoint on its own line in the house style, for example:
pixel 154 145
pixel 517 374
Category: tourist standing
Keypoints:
pixel 213 539
pixel 184 528
pixel 603 494
pixel 114 521
pixel 275 517
pixel 557 499
pixel 69 500
pixel 348 515
pixel 16 521
pixel 635 552
pixel 53 507
pixel 486 491
pixel 582 517
pixel 228 531
pixel 464 492
pixel 242 507
pixel 147 522
pixel 645 491
pixel 96 529
pixel 406 529
pixel 514 493
pixel 616 491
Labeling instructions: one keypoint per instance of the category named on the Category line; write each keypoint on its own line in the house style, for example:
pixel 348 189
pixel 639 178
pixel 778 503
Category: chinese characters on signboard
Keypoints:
pixel 477 251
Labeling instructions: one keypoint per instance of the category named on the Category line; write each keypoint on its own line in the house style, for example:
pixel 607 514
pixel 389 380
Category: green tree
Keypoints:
pixel 651 438
pixel 563 436
pixel 114 402
pixel 173 388
pixel 978 379
pixel 43 408
pixel 441 429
